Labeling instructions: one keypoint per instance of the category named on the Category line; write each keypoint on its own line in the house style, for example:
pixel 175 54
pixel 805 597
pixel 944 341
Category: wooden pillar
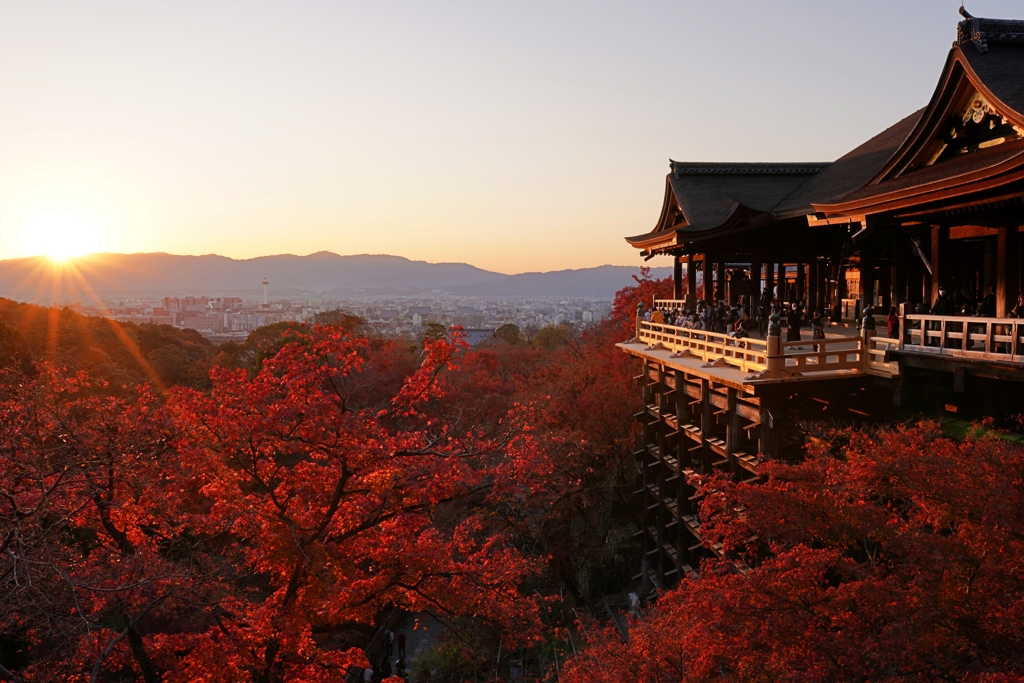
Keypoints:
pixel 732 433
pixel 705 422
pixel 988 274
pixel 940 260
pixel 801 282
pixel 766 443
pixel 1007 269
pixel 677 277
pixel 780 282
pixel 755 278
pixel 812 286
pixel 898 270
pixel 820 289
pixel 682 400
pixel 721 286
pixel 867 276
pixel 769 279
pixel 691 281
pixel 709 278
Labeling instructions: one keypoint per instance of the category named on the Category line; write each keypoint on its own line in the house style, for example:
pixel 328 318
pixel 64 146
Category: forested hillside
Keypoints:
pixel 174 511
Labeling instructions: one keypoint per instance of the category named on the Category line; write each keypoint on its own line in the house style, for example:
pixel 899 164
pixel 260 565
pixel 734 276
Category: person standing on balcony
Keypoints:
pixel 658 317
pixel 943 303
pixel 793 323
pixel 1018 310
pixel 892 323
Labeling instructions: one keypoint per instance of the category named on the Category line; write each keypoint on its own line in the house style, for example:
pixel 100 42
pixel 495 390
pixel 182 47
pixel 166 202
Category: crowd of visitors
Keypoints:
pixel 736 318
pixel 963 302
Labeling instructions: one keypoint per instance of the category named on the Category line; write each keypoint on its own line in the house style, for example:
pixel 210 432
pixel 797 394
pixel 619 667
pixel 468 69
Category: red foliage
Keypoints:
pixel 899 558
pixel 283 509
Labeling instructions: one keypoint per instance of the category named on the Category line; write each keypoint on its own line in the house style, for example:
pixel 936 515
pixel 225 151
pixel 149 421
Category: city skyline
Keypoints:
pixel 493 136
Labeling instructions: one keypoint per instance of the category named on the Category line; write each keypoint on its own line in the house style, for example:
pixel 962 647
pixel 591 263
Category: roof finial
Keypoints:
pixel 964 13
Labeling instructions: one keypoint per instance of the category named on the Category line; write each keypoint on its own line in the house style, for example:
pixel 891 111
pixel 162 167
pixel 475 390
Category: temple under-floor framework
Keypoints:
pixel 935 201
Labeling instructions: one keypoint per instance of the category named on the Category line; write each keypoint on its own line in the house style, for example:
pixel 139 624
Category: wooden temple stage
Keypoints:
pixel 935 202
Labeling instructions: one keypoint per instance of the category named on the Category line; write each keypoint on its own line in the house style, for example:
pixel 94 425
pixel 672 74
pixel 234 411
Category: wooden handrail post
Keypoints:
pixel 867 331
pixel 639 318
pixel 774 358
pixel 905 310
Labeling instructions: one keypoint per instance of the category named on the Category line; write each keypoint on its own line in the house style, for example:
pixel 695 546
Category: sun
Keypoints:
pixel 59 235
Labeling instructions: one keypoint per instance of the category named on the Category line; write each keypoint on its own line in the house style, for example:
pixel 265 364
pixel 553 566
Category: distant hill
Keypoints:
pixel 32 279
pixel 602 281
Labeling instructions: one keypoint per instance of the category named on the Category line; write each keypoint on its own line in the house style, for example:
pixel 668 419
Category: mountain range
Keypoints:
pixel 149 274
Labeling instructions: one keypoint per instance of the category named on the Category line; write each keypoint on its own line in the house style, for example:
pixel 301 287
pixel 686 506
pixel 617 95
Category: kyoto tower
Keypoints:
pixel 266 283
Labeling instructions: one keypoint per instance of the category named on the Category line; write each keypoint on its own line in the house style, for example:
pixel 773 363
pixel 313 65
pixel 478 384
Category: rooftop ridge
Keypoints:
pixel 981 31
pixel 746 168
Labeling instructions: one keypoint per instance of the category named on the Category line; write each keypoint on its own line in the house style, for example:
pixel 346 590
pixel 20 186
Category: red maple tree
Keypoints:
pixel 888 555
pixel 226 535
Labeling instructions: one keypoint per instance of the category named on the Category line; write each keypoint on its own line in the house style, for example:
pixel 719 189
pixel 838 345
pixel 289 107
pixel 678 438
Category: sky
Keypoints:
pixel 516 136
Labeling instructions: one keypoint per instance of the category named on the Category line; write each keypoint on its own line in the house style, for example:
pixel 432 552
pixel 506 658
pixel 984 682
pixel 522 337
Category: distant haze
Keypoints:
pixel 33 278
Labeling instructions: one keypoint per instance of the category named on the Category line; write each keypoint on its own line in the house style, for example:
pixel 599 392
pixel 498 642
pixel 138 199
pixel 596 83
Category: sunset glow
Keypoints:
pixel 59 235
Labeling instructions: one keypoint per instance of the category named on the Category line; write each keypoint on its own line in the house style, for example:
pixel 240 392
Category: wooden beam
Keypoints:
pixel 962 232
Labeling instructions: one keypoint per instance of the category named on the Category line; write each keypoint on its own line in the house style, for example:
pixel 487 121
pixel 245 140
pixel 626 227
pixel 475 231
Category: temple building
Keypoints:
pixel 936 201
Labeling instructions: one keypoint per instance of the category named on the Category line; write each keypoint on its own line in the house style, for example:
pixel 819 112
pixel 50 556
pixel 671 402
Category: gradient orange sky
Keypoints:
pixel 513 136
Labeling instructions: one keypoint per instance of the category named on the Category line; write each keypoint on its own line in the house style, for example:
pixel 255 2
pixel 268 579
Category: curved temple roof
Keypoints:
pixel 983 77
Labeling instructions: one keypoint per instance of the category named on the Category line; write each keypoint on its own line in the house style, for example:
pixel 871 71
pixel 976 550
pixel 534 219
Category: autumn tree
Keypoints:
pixel 84 566
pixel 889 555
pixel 330 508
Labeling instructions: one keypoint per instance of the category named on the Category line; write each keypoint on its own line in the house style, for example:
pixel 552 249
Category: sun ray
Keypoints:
pixel 129 343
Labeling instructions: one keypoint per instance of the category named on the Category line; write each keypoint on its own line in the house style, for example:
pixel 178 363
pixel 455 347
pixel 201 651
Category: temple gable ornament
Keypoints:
pixel 978 126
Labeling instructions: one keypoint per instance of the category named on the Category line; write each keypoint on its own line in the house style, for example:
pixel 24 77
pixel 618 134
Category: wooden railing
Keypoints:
pixel 756 355
pixel 747 354
pixel 842 353
pixel 676 306
pixel 876 362
pixel 991 339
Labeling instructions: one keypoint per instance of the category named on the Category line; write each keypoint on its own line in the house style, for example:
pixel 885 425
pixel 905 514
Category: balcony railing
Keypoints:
pixel 750 355
pixel 772 358
pixel 989 339
pixel 998 340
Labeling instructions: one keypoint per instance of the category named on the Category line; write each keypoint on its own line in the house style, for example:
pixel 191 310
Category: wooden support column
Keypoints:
pixel 766 443
pixel 988 274
pixel 867 277
pixel 677 277
pixel 940 260
pixel 709 278
pixel 691 282
pixel 801 282
pixel 683 413
pixel 732 433
pixel 898 270
pixel 812 286
pixel 1007 269
pixel 660 513
pixel 769 279
pixel 820 301
pixel 721 286
pixel 780 282
pixel 755 278
pixel 705 422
